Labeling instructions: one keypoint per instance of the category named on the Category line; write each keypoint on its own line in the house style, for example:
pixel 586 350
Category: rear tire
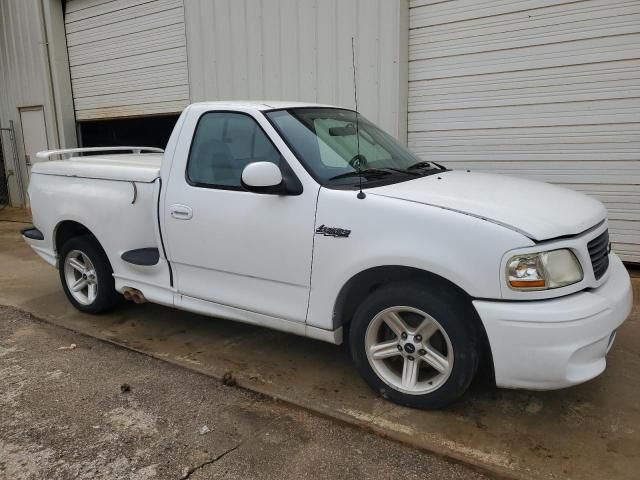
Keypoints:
pixel 416 346
pixel 87 277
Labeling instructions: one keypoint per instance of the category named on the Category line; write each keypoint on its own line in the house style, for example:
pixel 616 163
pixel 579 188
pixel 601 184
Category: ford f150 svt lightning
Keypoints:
pixel 310 219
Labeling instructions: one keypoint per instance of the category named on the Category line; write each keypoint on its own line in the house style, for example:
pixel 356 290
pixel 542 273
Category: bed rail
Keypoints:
pixel 69 152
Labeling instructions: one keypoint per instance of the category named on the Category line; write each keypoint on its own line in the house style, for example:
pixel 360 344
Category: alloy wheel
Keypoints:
pixel 409 350
pixel 81 278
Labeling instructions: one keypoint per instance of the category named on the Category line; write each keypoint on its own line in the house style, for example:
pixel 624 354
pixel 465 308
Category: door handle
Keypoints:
pixel 181 212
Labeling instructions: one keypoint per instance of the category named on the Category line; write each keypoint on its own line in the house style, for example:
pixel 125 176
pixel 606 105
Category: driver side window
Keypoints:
pixel 223 144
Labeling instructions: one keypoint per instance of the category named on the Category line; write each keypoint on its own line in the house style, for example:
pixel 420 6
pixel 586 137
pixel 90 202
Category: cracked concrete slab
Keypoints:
pixel 64 416
pixel 588 432
pixel 192 470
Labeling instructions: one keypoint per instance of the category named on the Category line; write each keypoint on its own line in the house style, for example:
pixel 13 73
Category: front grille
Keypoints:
pixel 599 253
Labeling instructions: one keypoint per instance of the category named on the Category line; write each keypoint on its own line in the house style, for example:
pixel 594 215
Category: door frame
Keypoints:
pixel 24 163
pixel 31 108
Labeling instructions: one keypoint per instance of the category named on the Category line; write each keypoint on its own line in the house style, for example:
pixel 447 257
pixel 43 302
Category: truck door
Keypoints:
pixel 227 245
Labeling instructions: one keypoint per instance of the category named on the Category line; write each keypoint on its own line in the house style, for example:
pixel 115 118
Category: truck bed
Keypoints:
pixel 142 167
pixel 112 195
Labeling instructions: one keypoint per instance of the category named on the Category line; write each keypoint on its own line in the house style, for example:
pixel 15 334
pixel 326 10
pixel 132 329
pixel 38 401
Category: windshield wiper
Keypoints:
pixel 403 170
pixel 370 172
pixel 424 164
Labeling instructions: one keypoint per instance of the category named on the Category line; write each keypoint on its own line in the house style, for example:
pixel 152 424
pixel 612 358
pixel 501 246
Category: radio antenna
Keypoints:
pixel 361 194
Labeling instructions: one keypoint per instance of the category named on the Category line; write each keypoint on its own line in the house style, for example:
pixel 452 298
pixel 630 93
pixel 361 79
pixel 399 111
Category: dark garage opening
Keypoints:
pixel 135 132
pixel 4 185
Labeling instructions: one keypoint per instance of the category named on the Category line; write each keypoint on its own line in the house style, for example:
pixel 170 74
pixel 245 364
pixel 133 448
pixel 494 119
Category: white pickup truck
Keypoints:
pixel 311 220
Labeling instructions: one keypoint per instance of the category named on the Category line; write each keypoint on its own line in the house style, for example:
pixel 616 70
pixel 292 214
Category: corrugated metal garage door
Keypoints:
pixel 536 88
pixel 127 57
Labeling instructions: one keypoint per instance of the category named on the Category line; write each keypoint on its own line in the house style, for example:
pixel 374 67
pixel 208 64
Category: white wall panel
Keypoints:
pixel 543 89
pixel 127 57
pixel 301 50
pixel 25 81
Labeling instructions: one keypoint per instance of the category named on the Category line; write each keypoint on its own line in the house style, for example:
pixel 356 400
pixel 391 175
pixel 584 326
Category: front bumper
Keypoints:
pixel 556 343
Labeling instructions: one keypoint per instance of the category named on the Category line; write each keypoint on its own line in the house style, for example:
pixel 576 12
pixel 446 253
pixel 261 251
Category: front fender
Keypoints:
pixel 463 249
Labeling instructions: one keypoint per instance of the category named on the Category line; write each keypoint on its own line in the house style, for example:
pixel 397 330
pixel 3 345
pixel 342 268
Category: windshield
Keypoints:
pixel 325 141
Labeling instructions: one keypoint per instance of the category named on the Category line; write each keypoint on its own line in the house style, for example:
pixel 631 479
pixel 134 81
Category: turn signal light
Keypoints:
pixel 527 284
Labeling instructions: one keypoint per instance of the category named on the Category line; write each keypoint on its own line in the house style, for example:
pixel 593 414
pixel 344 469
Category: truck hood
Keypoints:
pixel 538 210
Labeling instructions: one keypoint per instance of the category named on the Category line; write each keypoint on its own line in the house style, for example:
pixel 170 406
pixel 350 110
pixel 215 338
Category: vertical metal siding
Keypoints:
pixel 300 50
pixel 543 89
pixel 127 57
pixel 24 77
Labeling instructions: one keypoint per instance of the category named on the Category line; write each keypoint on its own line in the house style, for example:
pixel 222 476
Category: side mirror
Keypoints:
pixel 263 177
pixel 267 177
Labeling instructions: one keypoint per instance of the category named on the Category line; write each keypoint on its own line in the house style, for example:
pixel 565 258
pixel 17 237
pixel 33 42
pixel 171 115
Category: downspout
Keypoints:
pixel 52 100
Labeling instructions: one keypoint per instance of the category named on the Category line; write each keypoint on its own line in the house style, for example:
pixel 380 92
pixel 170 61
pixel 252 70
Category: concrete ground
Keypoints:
pixel 587 432
pixel 64 413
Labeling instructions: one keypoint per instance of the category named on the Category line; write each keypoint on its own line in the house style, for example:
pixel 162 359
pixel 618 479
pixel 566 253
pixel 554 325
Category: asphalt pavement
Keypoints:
pixel 73 407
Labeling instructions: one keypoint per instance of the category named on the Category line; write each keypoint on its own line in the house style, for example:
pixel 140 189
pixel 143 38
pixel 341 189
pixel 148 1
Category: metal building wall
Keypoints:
pixel 301 50
pixel 30 33
pixel 23 78
pixel 548 90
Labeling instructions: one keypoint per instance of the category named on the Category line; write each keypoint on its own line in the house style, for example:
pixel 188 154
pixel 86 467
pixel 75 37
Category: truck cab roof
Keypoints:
pixel 263 105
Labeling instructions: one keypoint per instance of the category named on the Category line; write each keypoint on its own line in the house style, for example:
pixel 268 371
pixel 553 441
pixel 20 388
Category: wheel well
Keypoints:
pixel 69 229
pixel 361 285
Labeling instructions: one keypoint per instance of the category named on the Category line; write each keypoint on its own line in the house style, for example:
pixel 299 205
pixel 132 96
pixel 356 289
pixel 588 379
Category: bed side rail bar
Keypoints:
pixel 69 152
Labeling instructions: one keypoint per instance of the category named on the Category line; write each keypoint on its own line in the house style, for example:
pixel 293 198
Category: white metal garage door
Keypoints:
pixel 537 88
pixel 127 57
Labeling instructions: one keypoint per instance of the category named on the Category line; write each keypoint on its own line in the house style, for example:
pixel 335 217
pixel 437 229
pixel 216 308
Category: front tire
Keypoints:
pixel 414 345
pixel 86 276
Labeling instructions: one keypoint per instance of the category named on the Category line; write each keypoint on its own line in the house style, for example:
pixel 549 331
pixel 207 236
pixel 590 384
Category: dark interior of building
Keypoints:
pixel 141 131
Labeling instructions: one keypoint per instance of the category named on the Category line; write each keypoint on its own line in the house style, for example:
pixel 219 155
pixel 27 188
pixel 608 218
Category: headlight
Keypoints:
pixel 542 271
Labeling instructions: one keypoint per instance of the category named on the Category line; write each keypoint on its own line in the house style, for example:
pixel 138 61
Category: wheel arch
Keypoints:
pixel 65 230
pixel 359 286
pixel 83 239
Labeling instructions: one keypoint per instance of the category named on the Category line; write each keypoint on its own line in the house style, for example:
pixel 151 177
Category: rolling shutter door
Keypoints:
pixel 543 89
pixel 127 57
